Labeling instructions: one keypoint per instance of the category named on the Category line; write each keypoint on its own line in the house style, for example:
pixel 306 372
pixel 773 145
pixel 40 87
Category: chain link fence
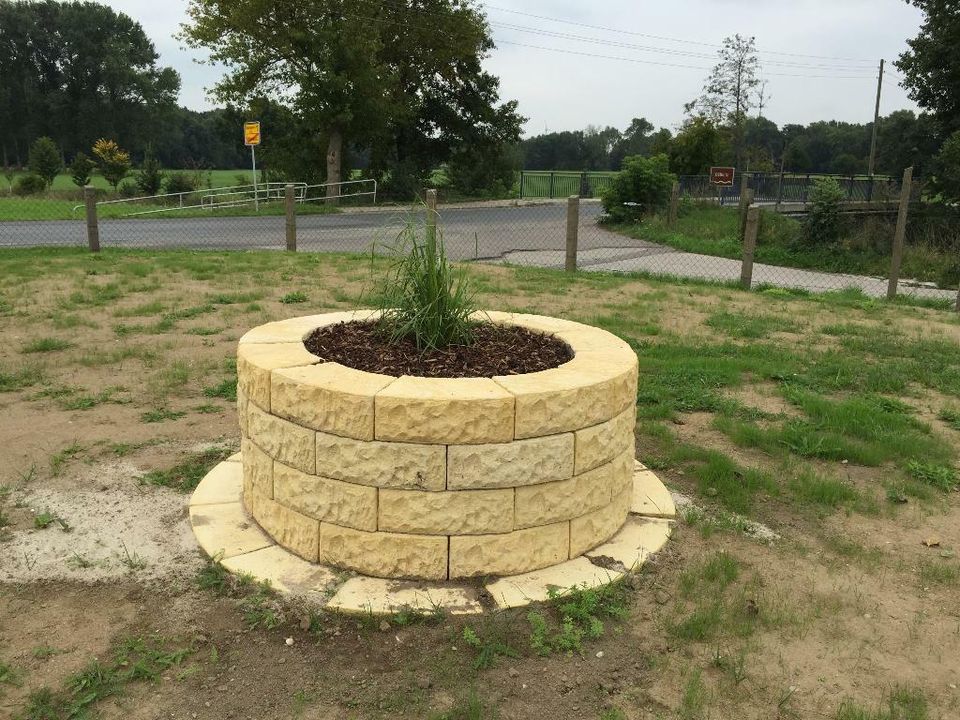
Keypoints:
pixel 530 233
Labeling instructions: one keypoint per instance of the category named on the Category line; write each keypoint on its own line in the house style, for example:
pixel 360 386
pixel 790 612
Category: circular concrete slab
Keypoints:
pixel 227 533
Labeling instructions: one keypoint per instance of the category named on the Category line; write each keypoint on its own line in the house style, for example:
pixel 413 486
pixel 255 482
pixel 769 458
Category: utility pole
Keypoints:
pixel 876 121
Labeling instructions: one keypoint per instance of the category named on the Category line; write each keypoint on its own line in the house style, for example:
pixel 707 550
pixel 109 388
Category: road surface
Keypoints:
pixel 531 235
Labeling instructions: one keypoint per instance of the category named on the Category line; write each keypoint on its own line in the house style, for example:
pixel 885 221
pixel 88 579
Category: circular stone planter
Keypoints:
pixel 436 478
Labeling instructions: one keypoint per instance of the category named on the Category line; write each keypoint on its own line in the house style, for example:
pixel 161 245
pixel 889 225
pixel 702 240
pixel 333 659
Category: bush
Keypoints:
pixel 81 169
pixel 645 183
pixel 150 177
pixel 824 224
pixel 44 160
pixel 29 185
pixel 128 190
pixel 113 162
pixel 180 182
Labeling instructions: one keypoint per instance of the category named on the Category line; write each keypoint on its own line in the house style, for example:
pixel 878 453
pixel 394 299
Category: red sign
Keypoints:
pixel 721 176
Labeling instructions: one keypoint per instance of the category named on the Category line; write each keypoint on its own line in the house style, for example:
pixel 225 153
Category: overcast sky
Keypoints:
pixel 818 56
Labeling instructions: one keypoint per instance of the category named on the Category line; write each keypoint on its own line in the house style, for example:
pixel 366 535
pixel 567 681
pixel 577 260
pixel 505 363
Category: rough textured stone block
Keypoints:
pixel 382 464
pixel 296 532
pixel 566 499
pixel 321 498
pixel 465 512
pixel 283 440
pixel 592 529
pixel 296 329
pixel 384 554
pixel 257 470
pixel 509 554
pixel 535 586
pixel 226 530
pixel 444 410
pixel 242 411
pixel 601 443
pixel 328 397
pixel 255 362
pixel 537 323
pixel 512 464
pixel 588 390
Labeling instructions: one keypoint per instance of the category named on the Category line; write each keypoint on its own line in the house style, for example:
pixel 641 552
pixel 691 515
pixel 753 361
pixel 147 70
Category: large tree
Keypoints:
pixel 403 79
pixel 728 94
pixel 76 71
pixel 931 67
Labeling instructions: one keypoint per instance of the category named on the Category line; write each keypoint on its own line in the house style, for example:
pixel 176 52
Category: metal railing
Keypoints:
pixel 790 187
pixel 563 183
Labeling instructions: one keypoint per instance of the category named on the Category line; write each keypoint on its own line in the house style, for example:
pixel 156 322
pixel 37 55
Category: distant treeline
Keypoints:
pixel 903 139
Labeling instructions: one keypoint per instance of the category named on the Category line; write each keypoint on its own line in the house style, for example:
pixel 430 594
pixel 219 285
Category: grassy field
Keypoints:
pixel 713 230
pixel 813 572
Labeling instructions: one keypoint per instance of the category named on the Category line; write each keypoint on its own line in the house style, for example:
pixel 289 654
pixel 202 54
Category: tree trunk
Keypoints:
pixel 334 150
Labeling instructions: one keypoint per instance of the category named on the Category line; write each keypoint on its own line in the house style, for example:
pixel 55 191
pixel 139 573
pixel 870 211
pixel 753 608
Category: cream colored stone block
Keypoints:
pixel 638 539
pixel 601 443
pixel 283 440
pixel 226 530
pixel 463 512
pixel 294 330
pixel 384 554
pixel 328 397
pixel 650 495
pixel 444 410
pixel 321 498
pixel 296 532
pixel 512 464
pixel 242 404
pixel 385 597
pixel 537 323
pixel 223 484
pixel 510 553
pixel 567 499
pixel 584 392
pixel 536 586
pixel 255 362
pixel 588 338
pixel 257 470
pixel 236 457
pixel 285 572
pixel 592 529
pixel 382 464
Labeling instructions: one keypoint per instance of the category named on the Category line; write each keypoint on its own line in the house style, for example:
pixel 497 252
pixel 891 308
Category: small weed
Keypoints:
pixel 79 562
pixel 294 297
pixel 227 390
pixel 259 608
pixel 487 648
pixel 693 703
pixel 8 674
pixel 43 520
pixel 160 415
pixel 42 652
pixel 47 344
pixel 938 572
pixel 470 708
pixel 186 475
pixel 207 409
pixel 132 561
pixel 901 704
pixel 951 416
pixel 939 476
pixel 580 614
pixel 59 460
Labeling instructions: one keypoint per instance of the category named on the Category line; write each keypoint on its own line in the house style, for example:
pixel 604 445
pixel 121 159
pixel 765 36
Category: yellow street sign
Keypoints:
pixel 251 133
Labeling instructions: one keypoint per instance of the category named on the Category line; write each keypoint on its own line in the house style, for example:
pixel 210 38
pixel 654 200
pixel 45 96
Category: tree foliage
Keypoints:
pixel 76 71
pixel 641 188
pixel 948 169
pixel 696 147
pixel 81 169
pixel 149 179
pixel 45 159
pixel 113 162
pixel 823 226
pixel 931 67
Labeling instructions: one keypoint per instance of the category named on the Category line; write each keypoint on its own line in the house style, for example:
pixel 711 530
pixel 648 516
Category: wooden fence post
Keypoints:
pixel 901 231
pixel 573 227
pixel 93 228
pixel 746 200
pixel 431 215
pixel 751 228
pixel 291 209
pixel 674 205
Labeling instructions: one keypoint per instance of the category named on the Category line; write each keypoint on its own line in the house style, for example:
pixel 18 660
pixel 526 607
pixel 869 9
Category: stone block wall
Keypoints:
pixel 436 478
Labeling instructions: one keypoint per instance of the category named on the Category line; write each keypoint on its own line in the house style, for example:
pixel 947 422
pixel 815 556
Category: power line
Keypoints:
pixel 667 38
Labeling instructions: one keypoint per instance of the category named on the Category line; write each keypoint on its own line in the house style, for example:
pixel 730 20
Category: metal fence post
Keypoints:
pixel 291 209
pixel 431 215
pixel 751 229
pixel 573 226
pixel 93 227
pixel 901 231
pixel 674 205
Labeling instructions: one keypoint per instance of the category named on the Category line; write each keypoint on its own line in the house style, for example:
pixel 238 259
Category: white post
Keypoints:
pixel 253 159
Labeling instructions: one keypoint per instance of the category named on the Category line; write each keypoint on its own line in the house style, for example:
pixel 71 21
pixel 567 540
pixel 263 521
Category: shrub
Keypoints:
pixel 81 169
pixel 29 185
pixel 645 183
pixel 113 162
pixel 824 224
pixel 422 298
pixel 44 159
pixel 180 182
pixel 150 177
pixel 128 190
